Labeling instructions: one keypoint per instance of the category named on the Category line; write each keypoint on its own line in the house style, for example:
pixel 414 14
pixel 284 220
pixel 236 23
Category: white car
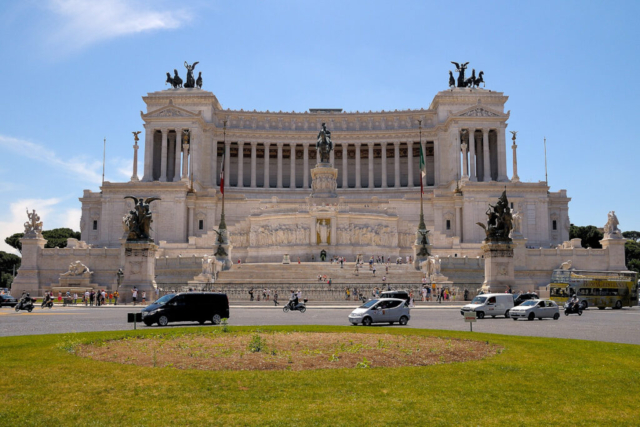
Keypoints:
pixel 383 310
pixel 490 305
pixel 539 308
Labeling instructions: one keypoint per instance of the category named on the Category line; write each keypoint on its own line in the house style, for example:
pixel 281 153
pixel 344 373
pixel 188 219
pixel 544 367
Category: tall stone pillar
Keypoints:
pixel 614 244
pixel 459 222
pixel 410 164
pixel 371 177
pixel 498 266
pixel 134 175
pixel 396 158
pixel 240 183
pixel 485 153
pixel 148 154
pixel 502 155
pixel 358 170
pixel 332 158
pixel 267 161
pixel 292 173
pixel 185 162
pixel 139 270
pixel 176 160
pixel 163 157
pixel 472 155
pixel 436 161
pixel 28 278
pixel 227 162
pixel 514 147
pixel 345 171
pixel 214 161
pixel 383 145
pixel 254 150
pixel 305 163
pixel 279 180
pixel 465 162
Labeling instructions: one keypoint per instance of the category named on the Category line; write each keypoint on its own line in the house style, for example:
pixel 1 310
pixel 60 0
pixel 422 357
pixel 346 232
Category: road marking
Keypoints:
pixel 39 314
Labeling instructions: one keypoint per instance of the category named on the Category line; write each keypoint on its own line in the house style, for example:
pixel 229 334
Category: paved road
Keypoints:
pixel 621 326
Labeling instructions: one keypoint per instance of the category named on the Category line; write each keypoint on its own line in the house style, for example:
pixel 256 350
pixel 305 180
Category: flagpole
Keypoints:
pixel 223 225
pixel 421 226
pixel 546 178
pixel 104 153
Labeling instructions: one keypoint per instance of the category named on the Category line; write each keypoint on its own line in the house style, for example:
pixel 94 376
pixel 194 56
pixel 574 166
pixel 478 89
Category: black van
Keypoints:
pixel 187 307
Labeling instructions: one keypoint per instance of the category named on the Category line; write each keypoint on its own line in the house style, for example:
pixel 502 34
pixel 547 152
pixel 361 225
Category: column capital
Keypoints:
pixel 371 144
pixel 357 143
pixel 383 144
pixel 280 144
pixel 164 130
pixel 240 143
pixel 266 143
pixel 254 144
pixel 485 131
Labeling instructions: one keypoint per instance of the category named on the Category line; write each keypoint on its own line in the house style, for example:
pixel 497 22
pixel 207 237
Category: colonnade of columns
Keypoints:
pixel 304 182
pixel 487 162
pixel 157 165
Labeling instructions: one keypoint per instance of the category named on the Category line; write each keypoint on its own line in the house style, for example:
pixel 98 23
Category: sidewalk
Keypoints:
pixel 269 305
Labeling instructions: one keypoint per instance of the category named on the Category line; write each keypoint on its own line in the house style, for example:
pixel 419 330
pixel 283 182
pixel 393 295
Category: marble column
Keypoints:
pixel 214 161
pixel 163 161
pixel 134 175
pixel 148 154
pixel 371 180
pixel 240 182
pixel 305 164
pixel 472 155
pixel 227 163
pixel 383 145
pixel 485 153
pixel 457 149
pixel 396 159
pixel 292 173
pixel 185 162
pixel 267 161
pixel 358 170
pixel 254 150
pixel 410 164
pixel 436 161
pixel 176 163
pixel 465 162
pixel 279 180
pixel 502 155
pixel 345 171
pixel 514 147
pixel 332 158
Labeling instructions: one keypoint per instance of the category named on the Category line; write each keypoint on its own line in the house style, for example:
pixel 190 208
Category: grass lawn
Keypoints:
pixel 532 381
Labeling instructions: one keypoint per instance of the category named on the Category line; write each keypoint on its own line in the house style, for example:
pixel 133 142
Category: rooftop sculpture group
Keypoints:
pixel 472 81
pixel 33 227
pixel 499 221
pixel 176 81
pixel 137 222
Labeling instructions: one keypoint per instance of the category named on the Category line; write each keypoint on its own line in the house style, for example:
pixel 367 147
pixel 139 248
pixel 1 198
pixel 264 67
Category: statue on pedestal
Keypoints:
pixel 33 227
pixel 611 229
pixel 499 221
pixel 323 230
pixel 324 145
pixel 138 221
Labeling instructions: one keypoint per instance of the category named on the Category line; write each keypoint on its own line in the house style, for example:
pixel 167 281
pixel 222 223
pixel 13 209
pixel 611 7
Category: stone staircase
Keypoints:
pixel 307 273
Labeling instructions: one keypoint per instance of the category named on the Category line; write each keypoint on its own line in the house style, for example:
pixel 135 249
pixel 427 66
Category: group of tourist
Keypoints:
pixel 265 293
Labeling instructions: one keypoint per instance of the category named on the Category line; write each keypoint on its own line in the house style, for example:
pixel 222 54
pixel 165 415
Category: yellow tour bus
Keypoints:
pixel 615 289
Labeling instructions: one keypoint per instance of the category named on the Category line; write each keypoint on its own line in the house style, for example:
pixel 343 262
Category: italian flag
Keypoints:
pixel 423 169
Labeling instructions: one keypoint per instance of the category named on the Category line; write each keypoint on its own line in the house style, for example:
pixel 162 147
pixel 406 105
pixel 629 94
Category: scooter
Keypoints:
pixel 26 304
pixel 48 304
pixel 572 309
pixel 301 307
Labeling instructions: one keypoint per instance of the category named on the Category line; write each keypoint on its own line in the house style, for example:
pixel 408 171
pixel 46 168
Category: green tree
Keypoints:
pixel 7 263
pixel 634 235
pixel 56 238
pixel 632 255
pixel 590 235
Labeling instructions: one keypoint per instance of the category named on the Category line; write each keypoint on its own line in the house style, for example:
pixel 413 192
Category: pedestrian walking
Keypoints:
pixel 134 295
pixel 116 294
pixel 144 297
pixel 374 271
pixel 275 297
pixel 75 298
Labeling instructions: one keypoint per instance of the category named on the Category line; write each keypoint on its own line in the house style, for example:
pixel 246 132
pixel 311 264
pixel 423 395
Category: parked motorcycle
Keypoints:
pixel 572 309
pixel 301 307
pixel 25 303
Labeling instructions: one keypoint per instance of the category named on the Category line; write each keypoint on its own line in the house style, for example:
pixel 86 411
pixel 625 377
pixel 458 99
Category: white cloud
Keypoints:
pixel 85 22
pixel 89 170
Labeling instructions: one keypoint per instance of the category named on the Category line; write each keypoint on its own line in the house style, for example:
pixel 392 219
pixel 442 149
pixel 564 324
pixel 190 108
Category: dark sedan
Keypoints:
pixel 8 301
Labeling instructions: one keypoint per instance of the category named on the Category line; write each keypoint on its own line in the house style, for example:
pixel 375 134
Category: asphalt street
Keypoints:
pixel 622 326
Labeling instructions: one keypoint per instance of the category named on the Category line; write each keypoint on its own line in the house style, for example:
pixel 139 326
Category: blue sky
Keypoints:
pixel 74 73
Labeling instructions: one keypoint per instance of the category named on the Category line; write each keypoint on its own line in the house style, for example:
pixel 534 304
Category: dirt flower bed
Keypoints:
pixel 287 351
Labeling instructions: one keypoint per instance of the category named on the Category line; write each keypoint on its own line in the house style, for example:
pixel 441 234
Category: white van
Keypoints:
pixel 490 305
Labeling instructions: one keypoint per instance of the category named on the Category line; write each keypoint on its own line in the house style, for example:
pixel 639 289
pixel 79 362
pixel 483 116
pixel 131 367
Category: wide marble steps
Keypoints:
pixel 307 273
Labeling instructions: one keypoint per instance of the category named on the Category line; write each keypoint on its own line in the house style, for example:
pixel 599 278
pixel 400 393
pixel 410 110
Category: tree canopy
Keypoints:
pixel 589 234
pixel 56 238
pixel 7 262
